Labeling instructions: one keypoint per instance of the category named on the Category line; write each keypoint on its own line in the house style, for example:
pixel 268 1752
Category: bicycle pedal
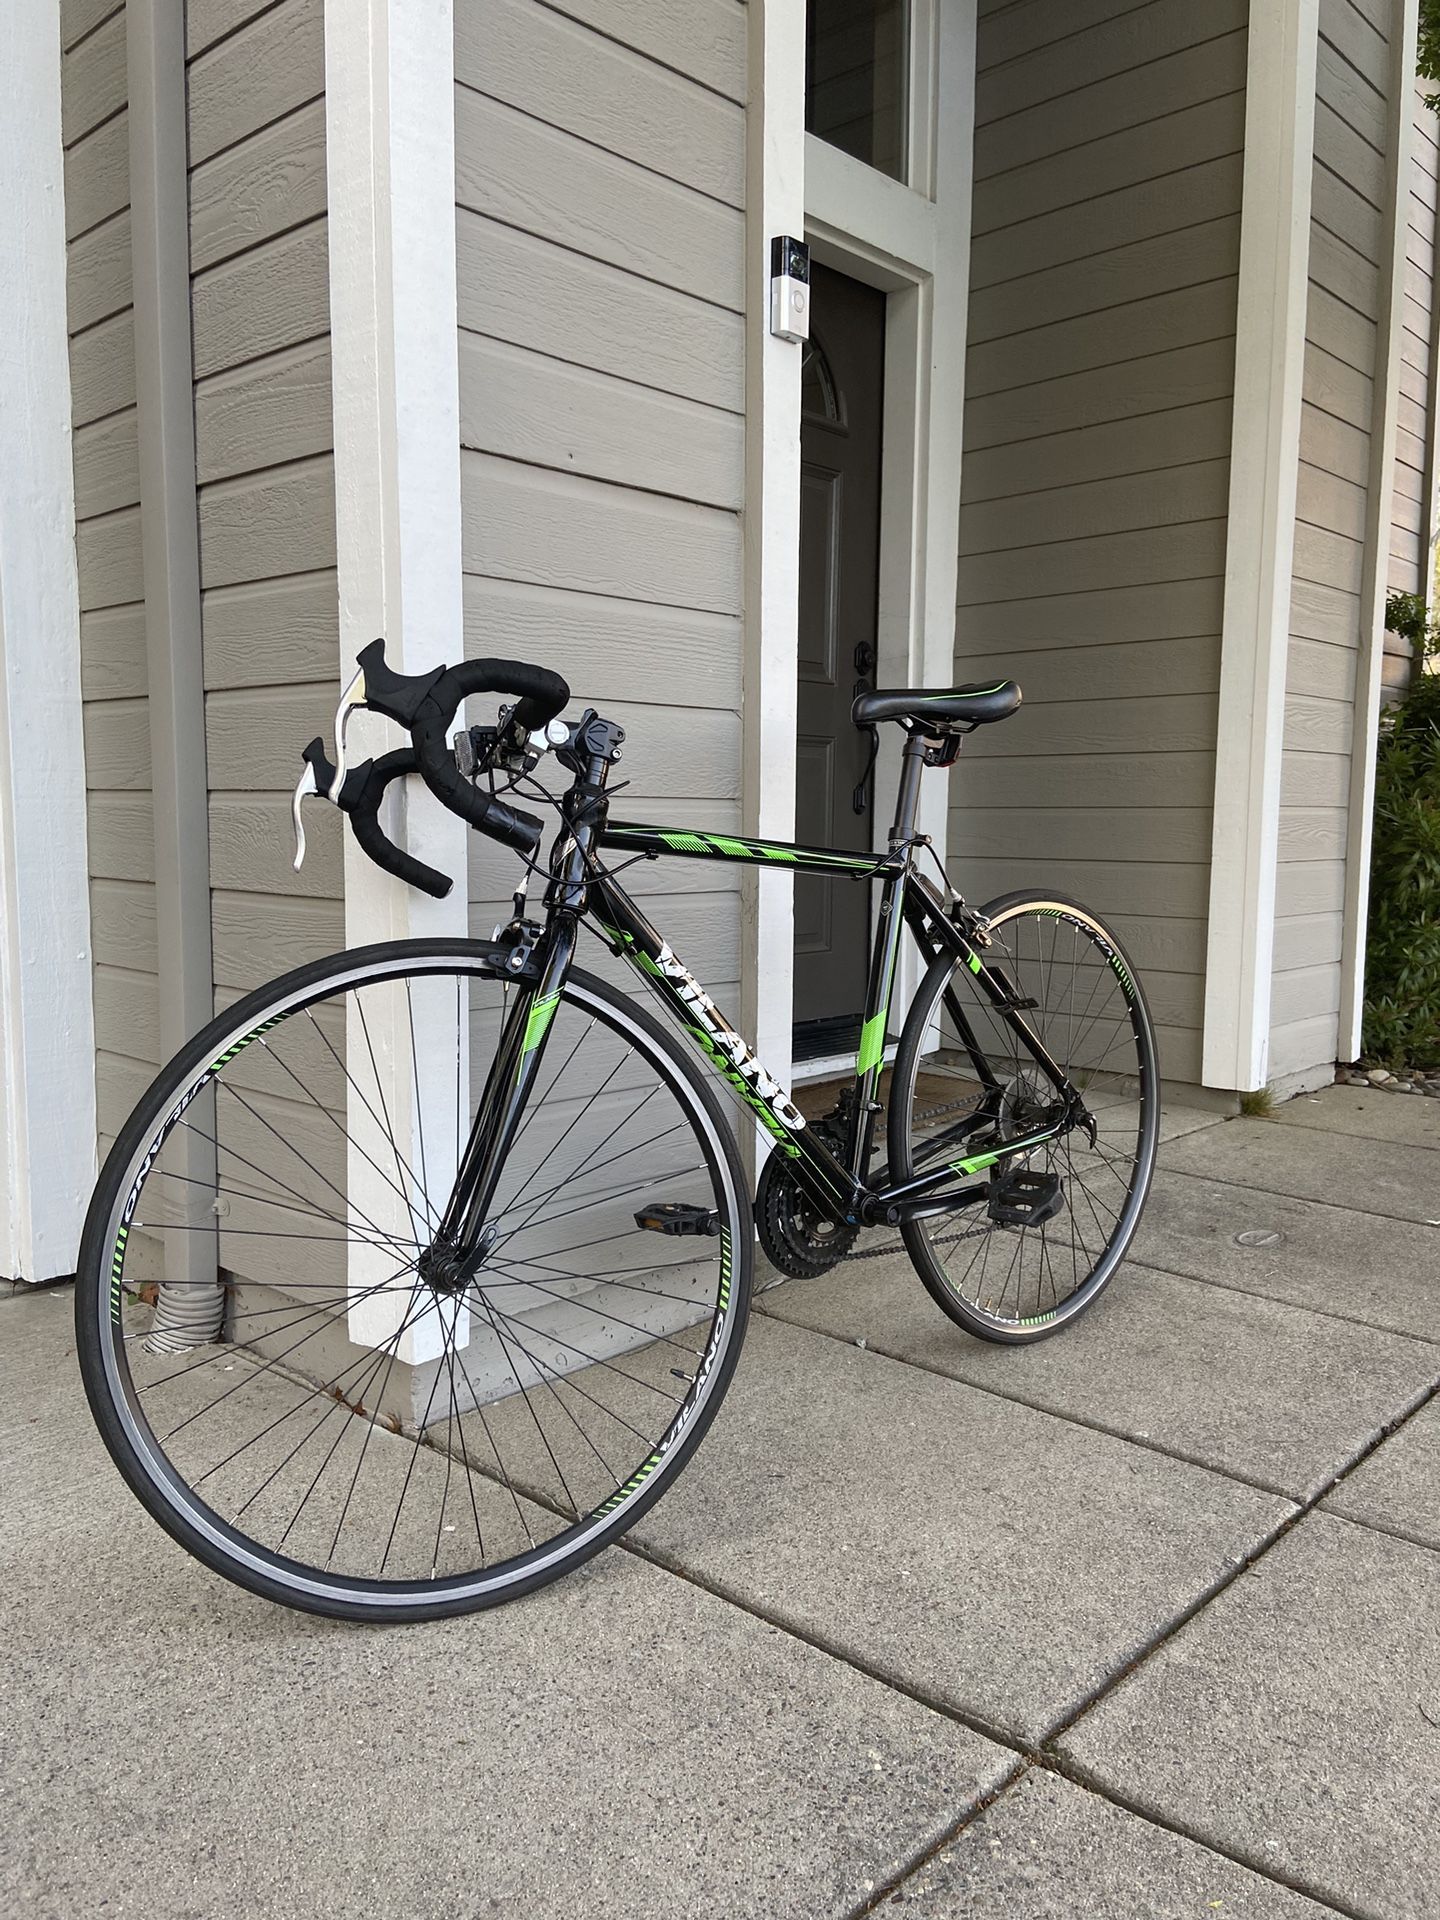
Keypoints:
pixel 677 1217
pixel 1025 1198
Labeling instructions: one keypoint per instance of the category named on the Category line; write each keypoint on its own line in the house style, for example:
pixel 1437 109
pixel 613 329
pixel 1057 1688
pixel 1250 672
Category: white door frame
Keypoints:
pixel 914 243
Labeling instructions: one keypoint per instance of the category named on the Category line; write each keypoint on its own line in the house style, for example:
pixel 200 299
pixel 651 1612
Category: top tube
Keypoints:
pixel 688 843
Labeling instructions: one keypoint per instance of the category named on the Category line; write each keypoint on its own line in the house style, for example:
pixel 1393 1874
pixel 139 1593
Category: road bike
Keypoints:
pixel 418 1276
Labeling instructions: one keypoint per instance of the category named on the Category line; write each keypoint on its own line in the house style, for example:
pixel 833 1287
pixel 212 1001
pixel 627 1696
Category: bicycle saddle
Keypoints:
pixel 961 706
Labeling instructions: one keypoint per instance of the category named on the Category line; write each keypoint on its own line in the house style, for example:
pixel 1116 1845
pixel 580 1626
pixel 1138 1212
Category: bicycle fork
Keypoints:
pixel 466 1233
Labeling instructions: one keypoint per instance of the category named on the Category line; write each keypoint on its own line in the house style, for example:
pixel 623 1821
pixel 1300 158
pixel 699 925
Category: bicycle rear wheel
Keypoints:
pixel 290 1398
pixel 963 1084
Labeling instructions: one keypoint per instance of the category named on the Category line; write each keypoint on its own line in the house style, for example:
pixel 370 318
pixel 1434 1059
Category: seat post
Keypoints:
pixel 907 800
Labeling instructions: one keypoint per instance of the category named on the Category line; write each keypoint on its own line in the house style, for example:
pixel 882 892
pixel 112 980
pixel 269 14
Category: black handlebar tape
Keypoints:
pixel 394 859
pixel 512 828
pixel 427 703
pixel 371 780
pixel 360 798
pixel 541 694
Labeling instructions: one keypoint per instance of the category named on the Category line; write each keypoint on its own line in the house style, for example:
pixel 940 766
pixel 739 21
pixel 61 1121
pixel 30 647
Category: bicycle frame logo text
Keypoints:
pixel 726 1048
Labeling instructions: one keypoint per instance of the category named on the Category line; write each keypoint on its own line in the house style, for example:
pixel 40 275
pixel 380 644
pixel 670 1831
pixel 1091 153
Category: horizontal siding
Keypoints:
pixel 1348 243
pixel 1095 484
pixel 114 680
pixel 600 189
pixel 1411 559
pixel 264 457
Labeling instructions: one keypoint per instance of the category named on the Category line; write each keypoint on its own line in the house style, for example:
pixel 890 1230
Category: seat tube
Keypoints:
pixel 907 799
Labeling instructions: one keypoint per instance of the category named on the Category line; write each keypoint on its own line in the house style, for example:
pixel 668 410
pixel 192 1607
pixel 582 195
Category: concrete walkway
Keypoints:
pixel 1143 1621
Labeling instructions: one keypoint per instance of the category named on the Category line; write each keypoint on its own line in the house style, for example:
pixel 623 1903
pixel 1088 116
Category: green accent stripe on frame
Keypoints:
pixel 872 1042
pixel 536 1027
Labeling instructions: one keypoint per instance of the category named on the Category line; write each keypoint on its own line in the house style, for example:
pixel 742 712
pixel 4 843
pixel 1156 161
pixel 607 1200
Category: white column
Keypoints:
pixel 390 156
pixel 775 194
pixel 1384 421
pixel 1264 473
pixel 47 1037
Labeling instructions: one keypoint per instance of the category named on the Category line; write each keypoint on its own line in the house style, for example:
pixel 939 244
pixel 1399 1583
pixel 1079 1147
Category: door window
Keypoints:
pixel 856 71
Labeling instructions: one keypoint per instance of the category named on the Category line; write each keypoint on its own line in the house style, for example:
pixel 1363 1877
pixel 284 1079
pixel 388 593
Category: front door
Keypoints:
pixel 842 409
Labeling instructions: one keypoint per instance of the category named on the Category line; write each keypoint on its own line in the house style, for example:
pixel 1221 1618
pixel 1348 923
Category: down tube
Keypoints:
pixel 726 1051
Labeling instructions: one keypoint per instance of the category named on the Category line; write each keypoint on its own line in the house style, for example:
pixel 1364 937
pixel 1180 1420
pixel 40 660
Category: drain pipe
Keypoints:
pixel 191 1303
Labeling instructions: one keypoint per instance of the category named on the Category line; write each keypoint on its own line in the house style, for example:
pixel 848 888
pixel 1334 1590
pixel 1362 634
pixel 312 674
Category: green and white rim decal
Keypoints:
pixel 171 1121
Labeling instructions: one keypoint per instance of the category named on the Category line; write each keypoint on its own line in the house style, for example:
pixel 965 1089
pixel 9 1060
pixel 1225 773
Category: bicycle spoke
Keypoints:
pixel 363 1426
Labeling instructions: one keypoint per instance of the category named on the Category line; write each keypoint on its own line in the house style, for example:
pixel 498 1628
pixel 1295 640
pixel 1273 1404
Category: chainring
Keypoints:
pixel 797 1237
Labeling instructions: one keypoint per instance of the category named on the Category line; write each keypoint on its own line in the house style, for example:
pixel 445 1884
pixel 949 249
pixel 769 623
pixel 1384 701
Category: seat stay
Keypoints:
pixel 934 929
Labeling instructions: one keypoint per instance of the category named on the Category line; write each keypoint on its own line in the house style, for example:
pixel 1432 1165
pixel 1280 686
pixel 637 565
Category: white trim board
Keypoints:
pixel 390 172
pixel 1389 334
pixel 916 246
pixel 47 1036
pixel 775 204
pixel 1264 473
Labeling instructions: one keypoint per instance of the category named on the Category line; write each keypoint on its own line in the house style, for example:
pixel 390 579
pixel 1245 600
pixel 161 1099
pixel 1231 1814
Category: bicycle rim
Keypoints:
pixel 951 1098
pixel 352 1439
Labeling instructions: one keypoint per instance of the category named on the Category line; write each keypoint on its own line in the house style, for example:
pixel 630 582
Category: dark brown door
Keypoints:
pixel 840 435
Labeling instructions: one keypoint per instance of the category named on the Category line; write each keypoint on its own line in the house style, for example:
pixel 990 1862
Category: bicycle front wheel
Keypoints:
pixel 278 1380
pixel 964 1084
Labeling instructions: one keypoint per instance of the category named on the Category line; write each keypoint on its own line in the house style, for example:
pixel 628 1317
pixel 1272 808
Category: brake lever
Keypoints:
pixel 319 778
pixel 352 698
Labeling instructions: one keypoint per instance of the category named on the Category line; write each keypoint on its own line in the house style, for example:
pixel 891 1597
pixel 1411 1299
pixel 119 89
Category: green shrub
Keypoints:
pixel 1407 615
pixel 1402 960
pixel 1427 46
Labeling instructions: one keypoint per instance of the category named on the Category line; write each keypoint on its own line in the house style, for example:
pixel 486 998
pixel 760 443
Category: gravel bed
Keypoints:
pixel 1409 1080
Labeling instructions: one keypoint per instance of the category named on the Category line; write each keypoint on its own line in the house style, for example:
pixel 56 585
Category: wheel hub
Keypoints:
pixel 448 1269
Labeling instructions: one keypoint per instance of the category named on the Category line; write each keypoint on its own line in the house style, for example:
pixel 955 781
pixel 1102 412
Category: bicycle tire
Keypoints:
pixel 110 1356
pixel 1103 1193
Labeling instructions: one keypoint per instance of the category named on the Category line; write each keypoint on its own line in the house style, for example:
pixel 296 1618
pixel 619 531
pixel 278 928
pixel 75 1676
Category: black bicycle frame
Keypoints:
pixel 840 1185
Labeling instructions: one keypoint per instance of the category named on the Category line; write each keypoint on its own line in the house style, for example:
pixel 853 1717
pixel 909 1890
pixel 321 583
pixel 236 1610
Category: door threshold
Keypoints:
pixel 832 1066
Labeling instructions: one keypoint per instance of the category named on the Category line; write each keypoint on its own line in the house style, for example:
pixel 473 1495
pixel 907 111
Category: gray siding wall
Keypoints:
pixel 1349 230
pixel 1411 557
pixel 1100 370
pixel 95 129
pixel 265 498
pixel 264 463
pixel 600 231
